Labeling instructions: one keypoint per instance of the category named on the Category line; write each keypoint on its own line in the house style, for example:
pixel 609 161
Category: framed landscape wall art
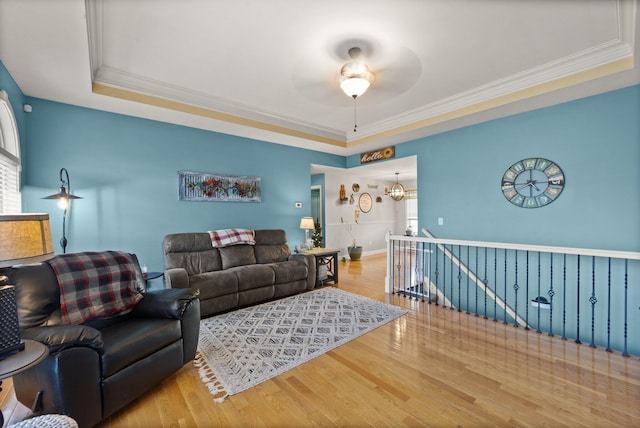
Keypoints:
pixel 199 186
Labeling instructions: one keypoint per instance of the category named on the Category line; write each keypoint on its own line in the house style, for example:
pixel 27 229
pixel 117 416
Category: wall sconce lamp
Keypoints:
pixel 64 202
pixel 397 190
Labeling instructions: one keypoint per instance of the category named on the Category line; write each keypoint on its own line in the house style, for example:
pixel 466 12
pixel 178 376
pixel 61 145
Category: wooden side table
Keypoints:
pixel 33 354
pixel 328 258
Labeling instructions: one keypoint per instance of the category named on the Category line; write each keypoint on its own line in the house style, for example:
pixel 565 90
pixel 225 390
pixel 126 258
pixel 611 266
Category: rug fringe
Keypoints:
pixel 210 379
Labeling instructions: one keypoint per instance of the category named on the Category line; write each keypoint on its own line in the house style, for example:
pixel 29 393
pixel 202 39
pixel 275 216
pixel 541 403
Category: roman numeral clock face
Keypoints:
pixel 532 183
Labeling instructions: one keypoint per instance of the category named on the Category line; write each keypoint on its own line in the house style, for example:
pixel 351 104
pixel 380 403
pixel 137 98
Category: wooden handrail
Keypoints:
pixel 525 247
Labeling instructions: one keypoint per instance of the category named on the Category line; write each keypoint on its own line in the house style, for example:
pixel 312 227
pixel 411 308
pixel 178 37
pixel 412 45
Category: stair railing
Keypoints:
pixel 507 281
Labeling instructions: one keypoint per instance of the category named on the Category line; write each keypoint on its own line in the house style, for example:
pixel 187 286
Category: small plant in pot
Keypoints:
pixel 355 251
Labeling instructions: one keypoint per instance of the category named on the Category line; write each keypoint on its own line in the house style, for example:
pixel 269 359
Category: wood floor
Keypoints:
pixel 431 367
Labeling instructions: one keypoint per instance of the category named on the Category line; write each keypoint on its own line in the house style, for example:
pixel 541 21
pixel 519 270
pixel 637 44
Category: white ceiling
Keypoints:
pixel 268 69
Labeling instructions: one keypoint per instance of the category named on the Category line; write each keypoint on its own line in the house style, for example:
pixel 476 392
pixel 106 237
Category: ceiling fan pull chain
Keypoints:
pixel 355 113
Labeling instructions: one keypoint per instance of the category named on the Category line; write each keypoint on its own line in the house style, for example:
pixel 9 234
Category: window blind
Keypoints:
pixel 10 200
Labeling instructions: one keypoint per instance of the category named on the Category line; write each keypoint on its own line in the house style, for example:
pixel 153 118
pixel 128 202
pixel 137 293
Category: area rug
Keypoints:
pixel 241 349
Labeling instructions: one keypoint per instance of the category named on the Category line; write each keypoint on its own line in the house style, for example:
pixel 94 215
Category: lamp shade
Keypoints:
pixel 307 223
pixel 26 238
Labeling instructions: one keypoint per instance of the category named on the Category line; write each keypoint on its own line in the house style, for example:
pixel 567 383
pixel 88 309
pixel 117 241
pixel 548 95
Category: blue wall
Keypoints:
pixel 125 168
pixel 595 140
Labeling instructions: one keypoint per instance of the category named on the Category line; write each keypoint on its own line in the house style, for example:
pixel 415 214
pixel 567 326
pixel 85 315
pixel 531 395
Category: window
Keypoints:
pixel 412 214
pixel 10 167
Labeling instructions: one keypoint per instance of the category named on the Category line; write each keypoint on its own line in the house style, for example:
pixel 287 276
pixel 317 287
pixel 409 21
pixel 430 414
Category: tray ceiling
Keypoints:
pixel 269 69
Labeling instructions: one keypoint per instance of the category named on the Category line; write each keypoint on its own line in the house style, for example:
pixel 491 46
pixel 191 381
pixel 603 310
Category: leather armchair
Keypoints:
pixel 98 367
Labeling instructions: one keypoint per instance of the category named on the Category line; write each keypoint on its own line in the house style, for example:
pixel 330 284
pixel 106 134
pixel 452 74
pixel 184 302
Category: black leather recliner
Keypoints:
pixel 96 368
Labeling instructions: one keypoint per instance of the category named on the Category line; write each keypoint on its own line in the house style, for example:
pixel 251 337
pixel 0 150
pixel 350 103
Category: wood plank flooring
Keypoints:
pixel 432 367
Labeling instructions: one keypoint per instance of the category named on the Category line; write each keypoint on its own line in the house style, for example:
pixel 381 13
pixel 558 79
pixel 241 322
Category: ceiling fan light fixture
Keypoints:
pixel 354 86
pixel 355 76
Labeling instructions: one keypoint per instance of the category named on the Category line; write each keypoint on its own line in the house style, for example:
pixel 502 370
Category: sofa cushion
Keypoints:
pixel 270 237
pixel 271 246
pixel 289 271
pixel 214 284
pixel 190 251
pixel 237 255
pixel 272 253
pixel 128 342
pixel 254 276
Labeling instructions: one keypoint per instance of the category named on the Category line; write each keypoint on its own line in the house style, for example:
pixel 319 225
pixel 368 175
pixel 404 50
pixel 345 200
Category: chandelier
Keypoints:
pixel 397 190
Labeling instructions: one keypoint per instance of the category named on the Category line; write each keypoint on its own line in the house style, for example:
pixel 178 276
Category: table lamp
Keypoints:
pixel 307 224
pixel 26 239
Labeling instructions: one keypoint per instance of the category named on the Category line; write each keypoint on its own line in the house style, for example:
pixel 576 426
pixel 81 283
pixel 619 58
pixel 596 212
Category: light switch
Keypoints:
pixel 440 221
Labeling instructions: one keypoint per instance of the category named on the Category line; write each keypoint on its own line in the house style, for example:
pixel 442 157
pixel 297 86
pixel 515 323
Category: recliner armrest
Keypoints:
pixel 310 261
pixel 60 337
pixel 176 278
pixel 167 303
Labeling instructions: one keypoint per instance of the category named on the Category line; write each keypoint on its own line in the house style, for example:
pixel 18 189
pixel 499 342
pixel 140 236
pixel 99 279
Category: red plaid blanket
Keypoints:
pixel 226 237
pixel 95 284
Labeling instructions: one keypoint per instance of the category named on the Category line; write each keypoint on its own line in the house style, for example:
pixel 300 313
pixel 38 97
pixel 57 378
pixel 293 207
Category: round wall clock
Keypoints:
pixel 365 202
pixel 532 183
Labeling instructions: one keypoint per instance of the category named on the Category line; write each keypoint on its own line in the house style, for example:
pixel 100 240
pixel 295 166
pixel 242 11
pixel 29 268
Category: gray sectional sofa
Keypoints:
pixel 237 275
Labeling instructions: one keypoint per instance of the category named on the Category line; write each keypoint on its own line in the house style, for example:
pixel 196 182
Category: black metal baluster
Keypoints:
pixel 578 306
pixel 476 287
pixel 406 271
pixel 468 264
pixel 485 281
pixel 564 298
pixel 551 293
pixel 593 300
pixel 417 269
pixel 526 293
pixel 444 276
pixel 495 291
pixel 436 273
pixel 538 294
pixel 429 258
pixel 392 267
pixel 451 277
pixel 415 287
pixel 459 276
pixel 398 265
pixel 504 317
pixel 404 268
pixel 626 285
pixel 609 306
pixel 423 264
pixel 516 287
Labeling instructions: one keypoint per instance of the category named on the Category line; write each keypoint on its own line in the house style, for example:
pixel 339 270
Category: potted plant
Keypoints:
pixel 355 250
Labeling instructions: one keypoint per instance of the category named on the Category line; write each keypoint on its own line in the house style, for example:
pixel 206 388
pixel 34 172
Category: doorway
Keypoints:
pixel 316 210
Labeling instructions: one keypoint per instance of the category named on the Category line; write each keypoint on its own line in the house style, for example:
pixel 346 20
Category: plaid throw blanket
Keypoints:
pixel 226 237
pixel 95 284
